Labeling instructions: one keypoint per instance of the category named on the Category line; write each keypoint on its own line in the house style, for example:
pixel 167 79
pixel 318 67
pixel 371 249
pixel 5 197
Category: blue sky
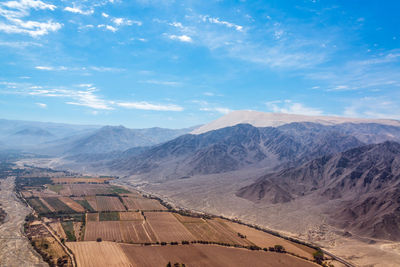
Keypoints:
pixel 182 63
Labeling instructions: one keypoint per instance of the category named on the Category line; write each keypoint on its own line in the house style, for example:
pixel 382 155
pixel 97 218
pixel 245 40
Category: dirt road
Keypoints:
pixel 15 249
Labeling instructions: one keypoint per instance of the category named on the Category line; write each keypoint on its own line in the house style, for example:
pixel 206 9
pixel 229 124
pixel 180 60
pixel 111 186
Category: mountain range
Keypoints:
pixel 349 167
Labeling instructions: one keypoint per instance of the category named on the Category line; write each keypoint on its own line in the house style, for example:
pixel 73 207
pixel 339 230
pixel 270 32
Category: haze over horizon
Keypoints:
pixel 178 64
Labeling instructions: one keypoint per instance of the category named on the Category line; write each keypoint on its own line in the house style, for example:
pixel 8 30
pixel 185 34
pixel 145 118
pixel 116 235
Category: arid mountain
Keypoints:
pixel 263 119
pixel 234 148
pixel 366 179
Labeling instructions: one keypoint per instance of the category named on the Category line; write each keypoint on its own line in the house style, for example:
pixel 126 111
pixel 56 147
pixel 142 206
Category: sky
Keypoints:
pixel 175 64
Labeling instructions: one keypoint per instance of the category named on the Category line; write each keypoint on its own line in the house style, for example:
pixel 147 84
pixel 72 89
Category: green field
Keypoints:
pixel 85 204
pixel 119 190
pixel 55 187
pixel 58 205
pixel 109 216
pixel 69 230
pixel 38 205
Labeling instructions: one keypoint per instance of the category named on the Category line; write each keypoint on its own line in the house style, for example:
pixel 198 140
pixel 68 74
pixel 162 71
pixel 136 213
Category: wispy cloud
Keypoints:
pixel 85 95
pixel 14 13
pixel 167 83
pixel 89 68
pixel 207 18
pixel 374 107
pixel 375 72
pixel 290 107
pixel 149 106
pixel 41 105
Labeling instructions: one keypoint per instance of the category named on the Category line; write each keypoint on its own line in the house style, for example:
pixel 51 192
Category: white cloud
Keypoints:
pixel 182 38
pixel 148 106
pixel 41 105
pixel 290 107
pixel 105 15
pixel 108 27
pixel 221 22
pixel 78 10
pixel 44 68
pixel 176 24
pixel 15 11
pixel 124 21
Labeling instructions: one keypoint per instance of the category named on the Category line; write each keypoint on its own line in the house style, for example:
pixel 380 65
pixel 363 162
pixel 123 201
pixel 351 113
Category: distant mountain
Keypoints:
pixel 38 132
pixel 365 180
pixel 57 139
pixel 263 119
pixel 234 148
pixel 119 138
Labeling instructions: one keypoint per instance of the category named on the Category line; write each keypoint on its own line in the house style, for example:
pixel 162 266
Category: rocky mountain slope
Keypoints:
pixel 365 179
pixel 234 148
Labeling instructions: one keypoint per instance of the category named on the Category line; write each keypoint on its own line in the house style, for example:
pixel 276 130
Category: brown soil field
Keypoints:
pixel 130 216
pixel 85 189
pixel 56 226
pixel 92 202
pixel 263 240
pixel 126 231
pixel 142 204
pixel 167 228
pixel 137 232
pixel 105 203
pixel 107 230
pixel 47 204
pixel 73 180
pixel 211 231
pixel 97 254
pixel 92 217
pixel 208 255
pixel 72 204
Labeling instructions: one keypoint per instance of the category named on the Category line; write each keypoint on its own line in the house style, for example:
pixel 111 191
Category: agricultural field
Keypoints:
pixel 106 230
pixel 106 225
pixel 38 205
pixel 72 204
pixel 85 189
pixel 80 180
pixel 58 205
pixel 136 203
pixel 131 216
pixel 96 254
pixel 92 217
pixel 90 254
pixel 123 231
pixel 107 203
pixel 266 240
pixel 211 230
pixel 167 228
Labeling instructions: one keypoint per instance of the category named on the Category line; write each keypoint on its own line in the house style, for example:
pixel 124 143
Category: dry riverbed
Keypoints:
pixel 15 249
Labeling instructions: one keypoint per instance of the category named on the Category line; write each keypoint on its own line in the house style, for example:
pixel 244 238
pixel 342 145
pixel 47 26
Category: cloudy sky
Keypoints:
pixel 143 63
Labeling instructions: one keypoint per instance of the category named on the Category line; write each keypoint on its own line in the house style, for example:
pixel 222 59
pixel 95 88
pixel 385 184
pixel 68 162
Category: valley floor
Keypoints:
pixel 214 194
pixel 15 249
